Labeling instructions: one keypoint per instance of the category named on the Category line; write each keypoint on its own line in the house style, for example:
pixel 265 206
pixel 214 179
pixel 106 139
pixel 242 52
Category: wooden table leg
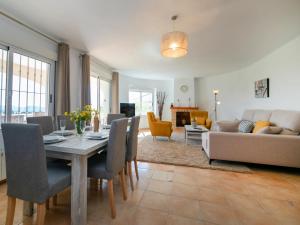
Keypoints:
pixel 27 208
pixel 79 190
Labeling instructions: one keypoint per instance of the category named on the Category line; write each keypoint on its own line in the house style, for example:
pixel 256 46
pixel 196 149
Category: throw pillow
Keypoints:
pixel 246 126
pixel 270 130
pixel 200 120
pixel 288 132
pixel 261 124
pixel 228 126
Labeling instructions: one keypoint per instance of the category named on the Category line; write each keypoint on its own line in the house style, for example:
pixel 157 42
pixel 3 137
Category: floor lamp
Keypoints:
pixel 216 92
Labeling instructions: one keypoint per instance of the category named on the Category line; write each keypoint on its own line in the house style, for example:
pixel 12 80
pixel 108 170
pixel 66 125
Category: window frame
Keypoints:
pixel 9 78
pixel 141 98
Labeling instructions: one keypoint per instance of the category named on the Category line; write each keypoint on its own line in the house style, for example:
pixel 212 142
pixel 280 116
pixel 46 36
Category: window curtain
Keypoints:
pixel 85 87
pixel 115 93
pixel 62 81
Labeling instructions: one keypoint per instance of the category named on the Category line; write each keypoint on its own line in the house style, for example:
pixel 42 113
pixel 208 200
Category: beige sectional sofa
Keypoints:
pixel 281 150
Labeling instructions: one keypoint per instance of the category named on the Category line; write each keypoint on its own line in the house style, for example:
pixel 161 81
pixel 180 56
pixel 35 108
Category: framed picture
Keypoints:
pixel 262 89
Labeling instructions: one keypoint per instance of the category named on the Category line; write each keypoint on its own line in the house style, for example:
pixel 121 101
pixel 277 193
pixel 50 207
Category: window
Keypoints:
pixel 143 101
pixel 100 95
pixel 25 85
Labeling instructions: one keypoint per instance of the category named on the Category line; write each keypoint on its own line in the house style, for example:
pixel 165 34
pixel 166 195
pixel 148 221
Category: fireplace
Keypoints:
pixel 181 115
pixel 182 118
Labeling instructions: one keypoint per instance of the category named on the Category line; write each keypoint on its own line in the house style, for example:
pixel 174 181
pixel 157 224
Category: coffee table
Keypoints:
pixel 194 132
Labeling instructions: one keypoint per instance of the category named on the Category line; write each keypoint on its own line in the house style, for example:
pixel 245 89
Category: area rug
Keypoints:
pixel 177 152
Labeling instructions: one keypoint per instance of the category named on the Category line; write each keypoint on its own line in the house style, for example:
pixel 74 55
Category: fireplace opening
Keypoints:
pixel 182 118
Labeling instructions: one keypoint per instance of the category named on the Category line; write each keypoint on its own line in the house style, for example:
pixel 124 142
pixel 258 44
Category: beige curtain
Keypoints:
pixel 115 93
pixel 62 80
pixel 85 87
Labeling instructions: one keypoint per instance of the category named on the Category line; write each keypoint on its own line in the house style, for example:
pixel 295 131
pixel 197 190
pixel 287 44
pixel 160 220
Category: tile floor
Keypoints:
pixel 176 195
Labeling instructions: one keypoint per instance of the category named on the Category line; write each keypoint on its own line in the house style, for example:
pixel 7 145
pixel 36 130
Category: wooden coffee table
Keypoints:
pixel 194 133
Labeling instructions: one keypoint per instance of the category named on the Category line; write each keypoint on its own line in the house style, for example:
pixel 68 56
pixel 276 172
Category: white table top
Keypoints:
pixel 199 128
pixel 76 145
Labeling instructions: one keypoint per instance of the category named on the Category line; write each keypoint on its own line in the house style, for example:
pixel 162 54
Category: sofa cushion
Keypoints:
pixel 288 132
pixel 228 126
pixel 256 115
pixel 260 124
pixel 270 130
pixel 286 119
pixel 246 126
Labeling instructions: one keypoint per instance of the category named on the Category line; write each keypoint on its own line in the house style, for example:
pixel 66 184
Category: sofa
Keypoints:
pixel 202 114
pixel 158 127
pixel 270 149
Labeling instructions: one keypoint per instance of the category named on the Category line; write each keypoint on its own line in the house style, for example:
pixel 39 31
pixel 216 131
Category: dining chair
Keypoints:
pixel 29 177
pixel 131 150
pixel 69 124
pixel 111 163
pixel 46 123
pixel 114 116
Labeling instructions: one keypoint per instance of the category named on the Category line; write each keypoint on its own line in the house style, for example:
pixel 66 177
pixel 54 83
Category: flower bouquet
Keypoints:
pixel 80 117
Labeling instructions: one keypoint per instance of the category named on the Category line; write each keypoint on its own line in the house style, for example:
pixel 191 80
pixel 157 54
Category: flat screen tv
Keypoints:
pixel 128 109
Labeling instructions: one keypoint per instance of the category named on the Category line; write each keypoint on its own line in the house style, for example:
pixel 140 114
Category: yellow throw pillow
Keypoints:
pixel 200 120
pixel 260 124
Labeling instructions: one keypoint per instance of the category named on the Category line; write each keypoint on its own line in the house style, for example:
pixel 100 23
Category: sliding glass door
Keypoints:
pixel 100 95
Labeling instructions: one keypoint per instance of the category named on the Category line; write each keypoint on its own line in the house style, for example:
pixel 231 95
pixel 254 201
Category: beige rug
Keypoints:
pixel 176 152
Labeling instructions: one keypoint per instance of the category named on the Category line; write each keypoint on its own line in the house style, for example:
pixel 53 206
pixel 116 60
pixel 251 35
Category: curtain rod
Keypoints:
pixel 28 27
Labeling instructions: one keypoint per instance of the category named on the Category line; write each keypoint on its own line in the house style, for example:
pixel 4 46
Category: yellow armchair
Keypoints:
pixel 201 114
pixel 158 127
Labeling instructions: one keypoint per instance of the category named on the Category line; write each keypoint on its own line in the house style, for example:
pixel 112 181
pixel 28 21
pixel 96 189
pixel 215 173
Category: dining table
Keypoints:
pixel 76 149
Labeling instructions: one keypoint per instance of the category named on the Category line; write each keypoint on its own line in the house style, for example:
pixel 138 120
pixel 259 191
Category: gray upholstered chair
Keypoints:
pixel 46 123
pixel 132 145
pixel 111 117
pixel 111 163
pixel 29 178
pixel 69 124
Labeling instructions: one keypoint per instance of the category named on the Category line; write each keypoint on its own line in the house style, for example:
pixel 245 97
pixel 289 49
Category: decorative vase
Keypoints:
pixel 96 123
pixel 80 126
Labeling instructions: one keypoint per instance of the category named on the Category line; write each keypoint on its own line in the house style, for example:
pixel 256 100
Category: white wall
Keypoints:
pixel 126 83
pixel 21 37
pixel 237 88
pixel 185 98
pixel 99 68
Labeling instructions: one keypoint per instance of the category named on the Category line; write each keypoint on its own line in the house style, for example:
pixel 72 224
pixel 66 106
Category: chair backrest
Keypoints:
pixel 197 113
pixel 26 166
pixel 45 122
pixel 132 138
pixel 111 117
pixel 116 148
pixel 69 124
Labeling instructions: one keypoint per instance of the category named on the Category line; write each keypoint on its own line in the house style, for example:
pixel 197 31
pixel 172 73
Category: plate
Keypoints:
pixel 96 136
pixel 50 139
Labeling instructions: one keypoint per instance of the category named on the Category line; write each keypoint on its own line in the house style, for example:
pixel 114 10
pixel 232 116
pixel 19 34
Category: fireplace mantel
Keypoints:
pixel 176 109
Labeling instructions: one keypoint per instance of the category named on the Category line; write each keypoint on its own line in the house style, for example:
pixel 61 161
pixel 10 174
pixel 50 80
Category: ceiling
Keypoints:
pixel 224 35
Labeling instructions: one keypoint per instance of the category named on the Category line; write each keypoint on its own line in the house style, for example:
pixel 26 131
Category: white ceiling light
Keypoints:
pixel 174 44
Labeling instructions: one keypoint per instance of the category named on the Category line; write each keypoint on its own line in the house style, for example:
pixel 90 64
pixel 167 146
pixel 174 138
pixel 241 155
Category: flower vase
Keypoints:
pixel 80 126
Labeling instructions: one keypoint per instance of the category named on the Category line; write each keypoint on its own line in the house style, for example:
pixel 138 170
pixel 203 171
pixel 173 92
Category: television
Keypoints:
pixel 128 109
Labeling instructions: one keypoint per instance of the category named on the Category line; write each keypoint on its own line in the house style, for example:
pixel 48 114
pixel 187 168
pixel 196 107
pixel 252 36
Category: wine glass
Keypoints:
pixel 62 124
